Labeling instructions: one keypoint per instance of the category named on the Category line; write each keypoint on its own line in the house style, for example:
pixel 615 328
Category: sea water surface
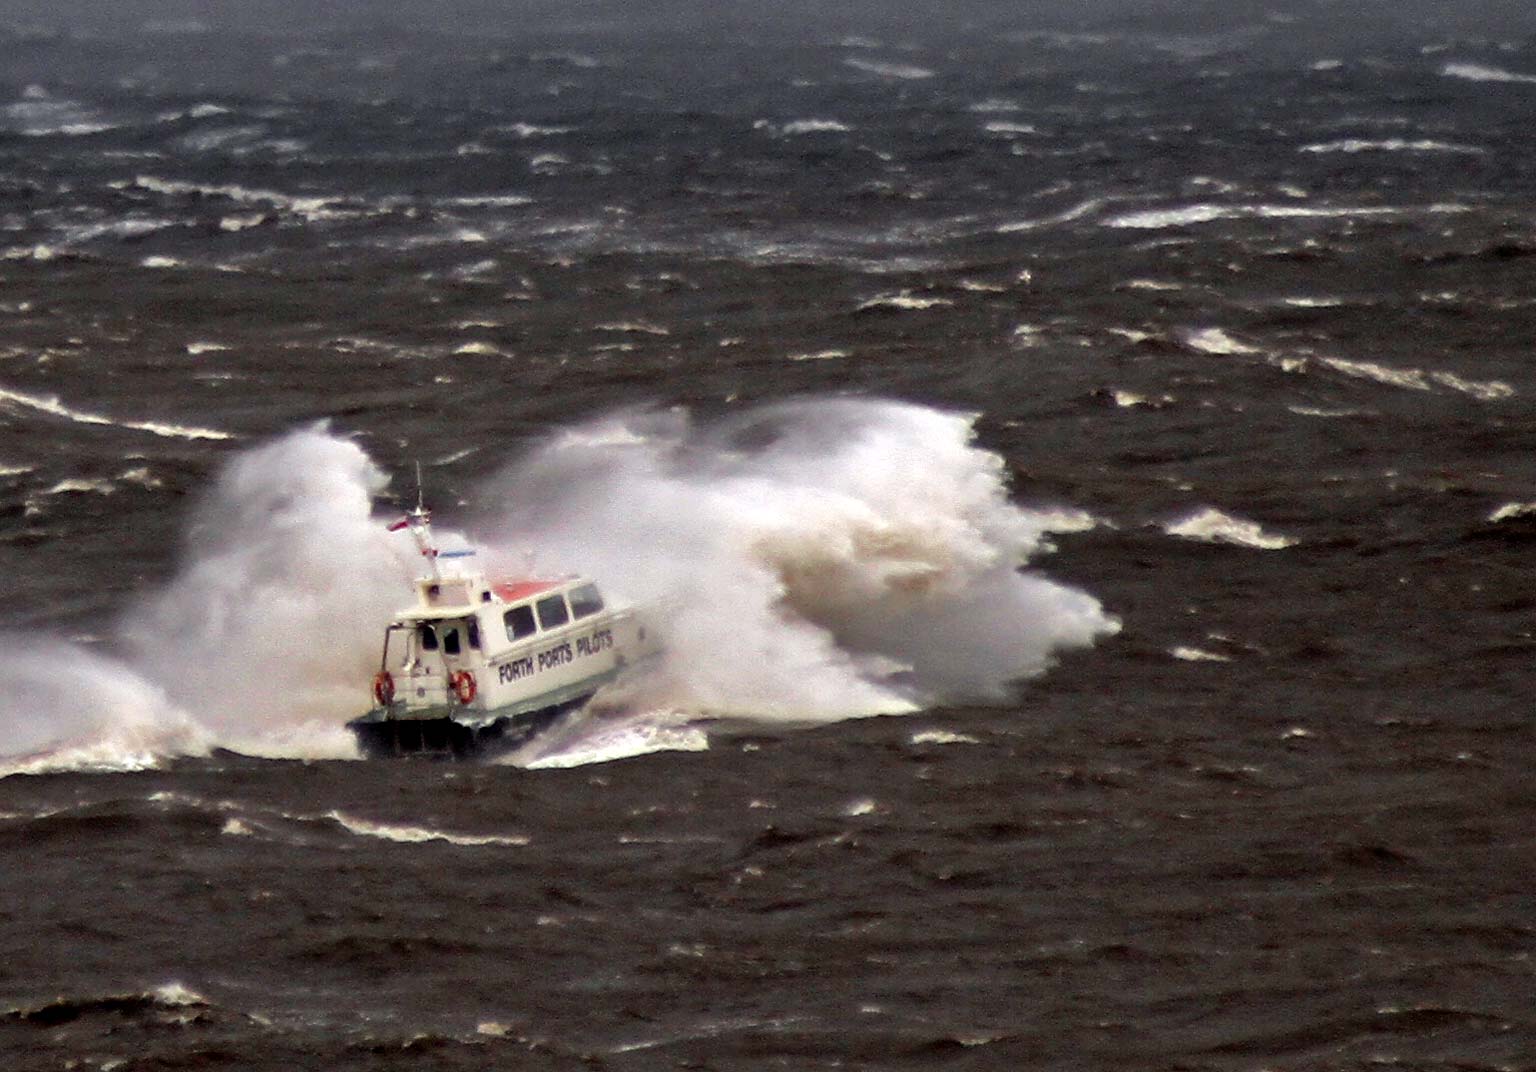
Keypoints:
pixel 1085 459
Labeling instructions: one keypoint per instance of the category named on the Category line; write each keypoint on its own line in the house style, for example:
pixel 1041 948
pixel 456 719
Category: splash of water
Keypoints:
pixel 817 559
pixel 807 561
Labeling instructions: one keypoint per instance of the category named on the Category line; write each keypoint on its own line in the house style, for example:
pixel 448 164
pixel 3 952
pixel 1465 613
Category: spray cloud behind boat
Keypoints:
pixel 806 561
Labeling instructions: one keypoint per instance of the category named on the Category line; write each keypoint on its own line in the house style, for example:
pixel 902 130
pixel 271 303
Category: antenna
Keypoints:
pixel 419 499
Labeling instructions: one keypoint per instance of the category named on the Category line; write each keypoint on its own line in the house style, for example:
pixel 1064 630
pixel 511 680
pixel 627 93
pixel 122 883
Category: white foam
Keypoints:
pixel 416 835
pixel 999 126
pixel 1191 215
pixel 51 405
pixel 270 630
pixel 818 355
pixel 65 708
pixel 822 560
pixel 1476 72
pixel 1416 379
pixel 1512 510
pixel 901 71
pixel 905 300
pixel 632 327
pixel 1210 525
pixel 233 224
pixel 942 737
pixel 489 201
pixel 1216 341
pixel 607 744
pixel 313 208
pixel 813 126
pixel 1076 212
pixel 532 130
pixel 1482 390
pixel 1198 655
pixel 1391 145
pixel 1325 414
pixel 78 485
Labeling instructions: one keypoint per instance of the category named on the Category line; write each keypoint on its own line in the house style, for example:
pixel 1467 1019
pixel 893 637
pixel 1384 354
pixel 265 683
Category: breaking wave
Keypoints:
pixel 807 562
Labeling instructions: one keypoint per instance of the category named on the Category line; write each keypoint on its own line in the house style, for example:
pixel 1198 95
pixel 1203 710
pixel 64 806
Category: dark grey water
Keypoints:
pixel 1235 306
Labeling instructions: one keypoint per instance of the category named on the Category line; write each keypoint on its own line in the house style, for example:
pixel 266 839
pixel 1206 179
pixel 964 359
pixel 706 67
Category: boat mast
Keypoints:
pixel 419 521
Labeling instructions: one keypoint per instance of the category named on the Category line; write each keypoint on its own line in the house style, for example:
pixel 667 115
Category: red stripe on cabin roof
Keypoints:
pixel 512 591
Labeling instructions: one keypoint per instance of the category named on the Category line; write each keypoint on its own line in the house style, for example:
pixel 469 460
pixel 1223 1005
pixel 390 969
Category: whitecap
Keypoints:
pixel 1475 72
pixel 1512 510
pixel 814 126
pixel 1005 127
pixel 51 405
pixel 1132 400
pixel 241 223
pixel 1215 341
pixel 902 71
pixel 1210 525
pixel 77 486
pixel 415 835
pixel 1416 379
pixel 1076 212
pixel 818 355
pixel 1391 145
pixel 942 737
pixel 531 130
pixel 314 208
pixel 1326 414
pixel 1482 390
pixel 489 201
pixel 904 300
pixel 633 327
pixel 1198 655
pixel 1190 215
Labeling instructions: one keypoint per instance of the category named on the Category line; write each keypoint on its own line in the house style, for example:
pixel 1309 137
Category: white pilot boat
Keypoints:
pixel 479 666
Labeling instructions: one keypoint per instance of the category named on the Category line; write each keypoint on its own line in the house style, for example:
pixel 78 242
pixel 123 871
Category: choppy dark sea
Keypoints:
pixel 1216 322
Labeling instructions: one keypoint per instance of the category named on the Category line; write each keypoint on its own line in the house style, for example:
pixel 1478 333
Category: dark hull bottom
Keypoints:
pixel 447 738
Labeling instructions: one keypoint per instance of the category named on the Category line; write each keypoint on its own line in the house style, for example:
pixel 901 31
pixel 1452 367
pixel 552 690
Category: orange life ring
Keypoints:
pixel 463 685
pixel 383 688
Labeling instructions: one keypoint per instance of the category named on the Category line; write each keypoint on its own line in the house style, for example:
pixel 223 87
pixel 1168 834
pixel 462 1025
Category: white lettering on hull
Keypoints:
pixel 552 658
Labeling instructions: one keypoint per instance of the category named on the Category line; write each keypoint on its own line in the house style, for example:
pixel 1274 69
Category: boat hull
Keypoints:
pixel 442 735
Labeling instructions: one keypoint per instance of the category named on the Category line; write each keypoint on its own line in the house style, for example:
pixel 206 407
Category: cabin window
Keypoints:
pixel 428 637
pixel 585 600
pixel 450 641
pixel 520 622
pixel 552 612
pixel 472 629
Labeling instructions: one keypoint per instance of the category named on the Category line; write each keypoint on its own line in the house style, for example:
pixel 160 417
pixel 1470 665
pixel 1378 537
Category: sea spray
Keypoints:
pixel 806 561
pixel 816 559
pixel 62 706
pixel 271 628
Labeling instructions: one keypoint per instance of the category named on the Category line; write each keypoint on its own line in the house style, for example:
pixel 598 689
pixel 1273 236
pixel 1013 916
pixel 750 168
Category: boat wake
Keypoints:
pixel 806 562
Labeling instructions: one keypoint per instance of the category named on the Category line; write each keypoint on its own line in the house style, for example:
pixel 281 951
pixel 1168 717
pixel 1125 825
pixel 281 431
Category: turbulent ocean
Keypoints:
pixel 1081 460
